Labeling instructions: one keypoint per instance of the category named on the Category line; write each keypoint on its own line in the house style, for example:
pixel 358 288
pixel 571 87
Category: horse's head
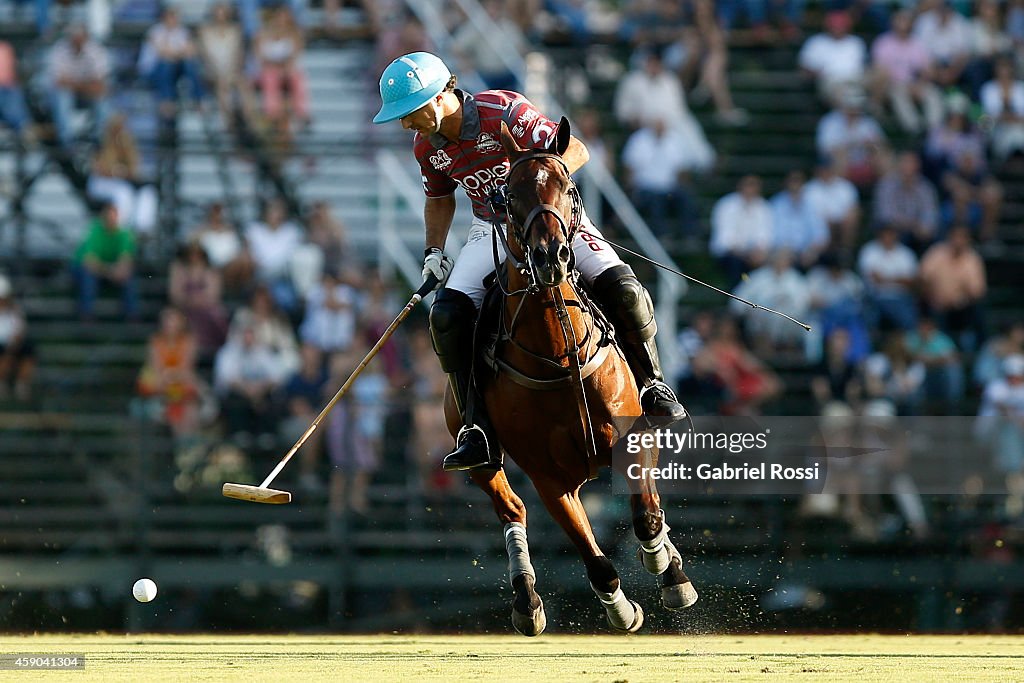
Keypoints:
pixel 543 207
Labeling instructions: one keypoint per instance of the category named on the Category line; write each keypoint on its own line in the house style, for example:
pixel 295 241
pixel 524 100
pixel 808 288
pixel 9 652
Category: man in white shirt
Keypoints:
pixel 657 161
pixel 854 140
pixel 835 58
pixel 741 229
pixel 889 269
pixel 272 244
pixel 780 286
pixel 653 94
pixel 835 199
pixel 948 37
pixel 246 374
pixel 78 72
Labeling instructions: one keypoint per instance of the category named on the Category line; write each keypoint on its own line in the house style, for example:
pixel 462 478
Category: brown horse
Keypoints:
pixel 560 396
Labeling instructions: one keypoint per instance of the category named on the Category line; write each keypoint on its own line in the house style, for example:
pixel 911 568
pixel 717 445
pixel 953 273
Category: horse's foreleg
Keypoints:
pixel 657 553
pixel 527 609
pixel 566 509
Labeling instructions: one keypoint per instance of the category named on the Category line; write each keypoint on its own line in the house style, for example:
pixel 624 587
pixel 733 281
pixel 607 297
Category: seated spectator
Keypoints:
pixel 947 36
pixel 943 370
pixel 835 199
pixel 330 321
pixel 780 286
pixel 907 202
pixel 953 286
pixel 654 93
pixel 13 109
pixel 251 12
pixel 169 375
pixel 657 168
pixel 894 376
pixel 304 398
pixel 1003 100
pixel 106 254
pixel 988 364
pixel 797 226
pixel 835 58
pixel 837 378
pixel 902 69
pixel 836 301
pixel 247 375
pixel 975 196
pixel 746 382
pixel 1001 416
pixel 222 48
pixel 741 229
pixel 279 47
pixel 272 242
pixel 889 270
pixel 168 56
pixel 17 354
pixel 329 235
pixel 226 250
pixel 78 71
pixel 483 51
pixel 195 289
pixel 1015 22
pixel 271 328
pixel 955 137
pixel 853 140
pixel 355 431
pixel 117 177
pixel 989 39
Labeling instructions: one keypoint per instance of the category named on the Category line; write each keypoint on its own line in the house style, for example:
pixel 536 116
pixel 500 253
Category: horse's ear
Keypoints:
pixel 512 147
pixel 560 142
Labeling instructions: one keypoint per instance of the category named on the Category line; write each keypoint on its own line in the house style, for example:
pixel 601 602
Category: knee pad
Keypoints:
pixel 627 303
pixel 452 317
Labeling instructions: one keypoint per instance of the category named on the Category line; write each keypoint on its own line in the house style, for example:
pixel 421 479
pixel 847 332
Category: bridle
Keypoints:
pixel 501 203
pixel 578 371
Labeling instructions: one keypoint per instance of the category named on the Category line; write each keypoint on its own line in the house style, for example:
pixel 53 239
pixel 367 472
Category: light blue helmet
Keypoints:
pixel 410 82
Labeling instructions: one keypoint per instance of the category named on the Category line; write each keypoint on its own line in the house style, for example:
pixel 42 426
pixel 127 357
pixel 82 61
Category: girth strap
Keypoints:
pixel 553 384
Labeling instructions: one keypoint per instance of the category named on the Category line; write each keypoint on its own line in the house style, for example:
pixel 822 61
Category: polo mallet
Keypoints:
pixel 263 494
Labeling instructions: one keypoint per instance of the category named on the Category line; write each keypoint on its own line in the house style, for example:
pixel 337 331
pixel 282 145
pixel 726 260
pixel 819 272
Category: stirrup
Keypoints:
pixel 459 459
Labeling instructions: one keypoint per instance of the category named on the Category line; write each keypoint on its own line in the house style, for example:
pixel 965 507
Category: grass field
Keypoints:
pixel 548 658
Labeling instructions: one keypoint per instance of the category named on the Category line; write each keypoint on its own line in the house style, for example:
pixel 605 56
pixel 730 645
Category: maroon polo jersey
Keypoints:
pixel 477 161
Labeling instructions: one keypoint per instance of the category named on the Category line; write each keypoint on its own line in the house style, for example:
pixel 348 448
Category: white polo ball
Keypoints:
pixel 144 590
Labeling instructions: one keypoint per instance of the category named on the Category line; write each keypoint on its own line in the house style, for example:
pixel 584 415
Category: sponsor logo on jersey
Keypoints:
pixel 441 160
pixel 527 116
pixel 486 143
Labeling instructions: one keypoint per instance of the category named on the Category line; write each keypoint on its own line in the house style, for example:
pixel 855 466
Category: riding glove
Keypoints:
pixel 437 264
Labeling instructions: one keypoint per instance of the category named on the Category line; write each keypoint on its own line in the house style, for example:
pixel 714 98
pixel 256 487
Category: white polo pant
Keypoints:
pixel 476 261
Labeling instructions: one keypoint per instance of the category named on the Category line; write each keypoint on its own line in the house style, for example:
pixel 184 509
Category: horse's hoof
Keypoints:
pixel 530 624
pixel 679 596
pixel 638 620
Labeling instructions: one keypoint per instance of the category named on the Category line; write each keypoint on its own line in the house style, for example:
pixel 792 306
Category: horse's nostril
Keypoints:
pixel 563 254
pixel 540 256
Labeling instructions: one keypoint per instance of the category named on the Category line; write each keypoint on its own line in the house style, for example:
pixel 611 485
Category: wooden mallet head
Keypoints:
pixel 256 494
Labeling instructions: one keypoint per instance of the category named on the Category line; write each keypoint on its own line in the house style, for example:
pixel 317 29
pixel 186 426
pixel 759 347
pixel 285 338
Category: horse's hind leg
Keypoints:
pixel 657 553
pixel 527 609
pixel 566 509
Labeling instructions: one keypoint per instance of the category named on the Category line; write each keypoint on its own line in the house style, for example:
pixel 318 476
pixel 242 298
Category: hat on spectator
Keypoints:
pixel 1013 366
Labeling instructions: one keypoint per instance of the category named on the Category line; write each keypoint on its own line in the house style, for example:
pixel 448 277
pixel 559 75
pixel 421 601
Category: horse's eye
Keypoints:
pixel 509 197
